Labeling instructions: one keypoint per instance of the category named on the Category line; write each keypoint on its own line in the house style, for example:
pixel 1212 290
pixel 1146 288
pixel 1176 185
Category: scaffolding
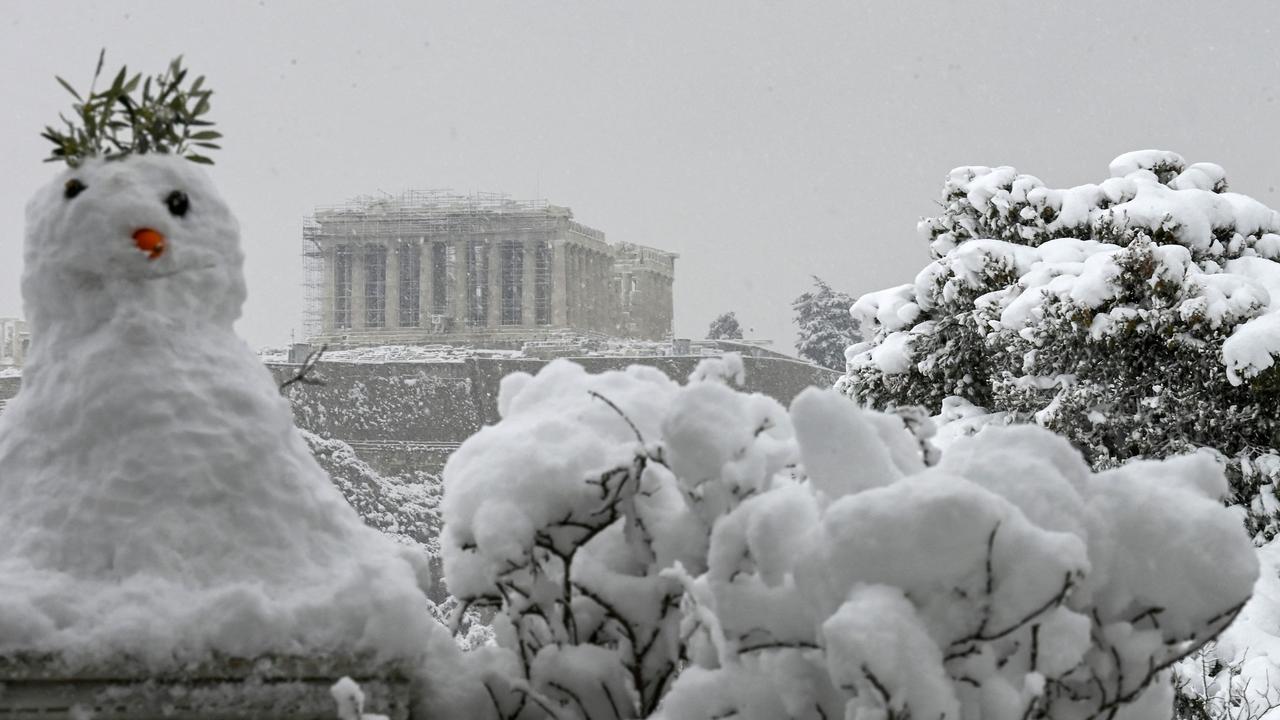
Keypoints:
pixel 342 267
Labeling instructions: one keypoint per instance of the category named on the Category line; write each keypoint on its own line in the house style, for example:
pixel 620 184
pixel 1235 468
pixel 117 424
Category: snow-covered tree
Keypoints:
pixel 1138 317
pixel 691 551
pixel 404 507
pixel 725 327
pixel 825 326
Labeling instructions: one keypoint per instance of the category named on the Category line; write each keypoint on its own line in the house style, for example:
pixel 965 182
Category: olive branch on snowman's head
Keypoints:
pixel 115 123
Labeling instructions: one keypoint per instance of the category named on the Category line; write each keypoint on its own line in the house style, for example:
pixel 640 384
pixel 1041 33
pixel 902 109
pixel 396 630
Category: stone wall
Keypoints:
pixel 8 388
pixel 399 415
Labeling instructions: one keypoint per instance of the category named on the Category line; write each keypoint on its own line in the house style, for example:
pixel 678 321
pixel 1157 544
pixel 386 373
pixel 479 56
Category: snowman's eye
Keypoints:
pixel 177 203
pixel 73 188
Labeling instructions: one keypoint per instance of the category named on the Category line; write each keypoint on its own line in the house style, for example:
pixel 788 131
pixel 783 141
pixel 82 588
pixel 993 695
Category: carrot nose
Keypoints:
pixel 150 242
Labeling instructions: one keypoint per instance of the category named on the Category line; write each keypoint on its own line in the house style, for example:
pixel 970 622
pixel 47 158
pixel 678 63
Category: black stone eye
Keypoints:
pixel 73 188
pixel 177 203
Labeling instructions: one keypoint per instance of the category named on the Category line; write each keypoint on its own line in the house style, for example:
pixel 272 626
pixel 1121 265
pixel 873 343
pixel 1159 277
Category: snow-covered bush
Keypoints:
pixel 406 507
pixel 1139 317
pixel 470 631
pixel 692 551
pixel 1209 689
pixel 824 326
pixel 1236 677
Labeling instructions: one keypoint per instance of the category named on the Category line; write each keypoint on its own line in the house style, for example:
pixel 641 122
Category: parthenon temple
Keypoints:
pixel 436 267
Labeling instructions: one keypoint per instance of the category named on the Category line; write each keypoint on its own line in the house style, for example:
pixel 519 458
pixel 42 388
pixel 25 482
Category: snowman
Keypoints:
pixel 157 504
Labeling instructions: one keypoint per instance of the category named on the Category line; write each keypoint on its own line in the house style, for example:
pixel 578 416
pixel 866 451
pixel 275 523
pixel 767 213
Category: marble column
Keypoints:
pixel 559 302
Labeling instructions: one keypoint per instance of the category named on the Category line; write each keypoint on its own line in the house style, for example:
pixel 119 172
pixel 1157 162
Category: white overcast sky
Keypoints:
pixel 763 141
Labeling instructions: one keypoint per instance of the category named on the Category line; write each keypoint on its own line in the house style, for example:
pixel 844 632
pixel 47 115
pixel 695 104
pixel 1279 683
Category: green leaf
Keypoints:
pixel 70 89
pixel 102 56
pixel 118 121
pixel 200 159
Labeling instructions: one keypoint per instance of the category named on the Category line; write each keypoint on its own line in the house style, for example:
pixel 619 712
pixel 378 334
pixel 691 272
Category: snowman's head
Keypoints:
pixel 143 235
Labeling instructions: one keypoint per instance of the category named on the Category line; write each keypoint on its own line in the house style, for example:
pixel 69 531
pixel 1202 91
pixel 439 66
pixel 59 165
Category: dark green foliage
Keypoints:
pixel 1154 387
pixel 825 326
pixel 725 327
pixel 113 123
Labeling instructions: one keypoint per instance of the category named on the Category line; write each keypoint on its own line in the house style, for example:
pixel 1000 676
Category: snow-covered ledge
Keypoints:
pixel 281 688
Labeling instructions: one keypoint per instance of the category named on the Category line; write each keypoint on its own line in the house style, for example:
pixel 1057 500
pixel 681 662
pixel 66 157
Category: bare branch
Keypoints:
pixel 304 373
pixel 610 403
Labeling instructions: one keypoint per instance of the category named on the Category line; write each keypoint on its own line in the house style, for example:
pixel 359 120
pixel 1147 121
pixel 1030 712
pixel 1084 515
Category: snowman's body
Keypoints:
pixel 156 501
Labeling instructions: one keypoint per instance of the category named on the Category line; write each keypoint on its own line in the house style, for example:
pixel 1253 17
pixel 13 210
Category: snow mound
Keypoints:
pixel 1150 160
pixel 157 504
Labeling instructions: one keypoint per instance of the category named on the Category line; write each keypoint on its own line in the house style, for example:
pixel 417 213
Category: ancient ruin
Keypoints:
pixel 437 267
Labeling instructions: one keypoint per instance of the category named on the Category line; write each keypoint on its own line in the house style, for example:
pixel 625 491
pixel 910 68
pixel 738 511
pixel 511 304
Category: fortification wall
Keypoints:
pixel 445 402
pixel 398 415
pixel 8 388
